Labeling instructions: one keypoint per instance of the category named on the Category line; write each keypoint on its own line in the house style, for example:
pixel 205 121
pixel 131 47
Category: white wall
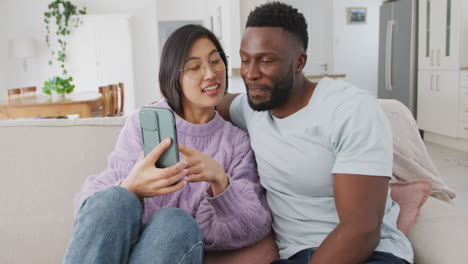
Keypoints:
pixel 182 10
pixel 25 18
pixel 464 35
pixel 145 42
pixel 3 51
pixel 203 10
pixel 22 18
pixel 356 47
pixel 245 7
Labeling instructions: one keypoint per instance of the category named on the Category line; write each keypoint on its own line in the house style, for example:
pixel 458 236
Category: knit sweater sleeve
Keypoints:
pixel 119 163
pixel 239 216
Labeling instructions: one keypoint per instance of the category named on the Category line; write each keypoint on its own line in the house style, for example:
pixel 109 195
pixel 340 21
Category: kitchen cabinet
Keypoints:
pixel 442 105
pixel 437 106
pixel 463 110
pixel 439 34
pixel 100 53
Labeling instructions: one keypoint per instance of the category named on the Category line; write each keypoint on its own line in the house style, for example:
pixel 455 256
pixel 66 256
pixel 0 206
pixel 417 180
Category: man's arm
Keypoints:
pixel 223 107
pixel 360 202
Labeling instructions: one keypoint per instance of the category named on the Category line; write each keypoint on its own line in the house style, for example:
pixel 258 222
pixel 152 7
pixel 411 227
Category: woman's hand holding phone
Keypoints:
pixel 201 167
pixel 145 180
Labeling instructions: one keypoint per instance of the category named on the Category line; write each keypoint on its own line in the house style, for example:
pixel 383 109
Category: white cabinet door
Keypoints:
pixel 426 100
pixel 448 56
pixel 439 34
pixel 437 102
pixel 430 16
pixel 101 54
pixel 83 57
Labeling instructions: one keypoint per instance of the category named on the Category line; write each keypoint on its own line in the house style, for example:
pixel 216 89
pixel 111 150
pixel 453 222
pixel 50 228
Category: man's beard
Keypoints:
pixel 279 94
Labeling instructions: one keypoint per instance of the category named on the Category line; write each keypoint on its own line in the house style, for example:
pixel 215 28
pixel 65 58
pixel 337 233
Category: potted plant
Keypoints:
pixel 66 16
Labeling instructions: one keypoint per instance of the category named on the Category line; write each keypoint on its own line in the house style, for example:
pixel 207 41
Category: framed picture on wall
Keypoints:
pixel 357 15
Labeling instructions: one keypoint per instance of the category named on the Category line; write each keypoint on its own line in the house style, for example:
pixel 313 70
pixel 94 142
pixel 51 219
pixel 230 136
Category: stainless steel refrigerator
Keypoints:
pixel 398 52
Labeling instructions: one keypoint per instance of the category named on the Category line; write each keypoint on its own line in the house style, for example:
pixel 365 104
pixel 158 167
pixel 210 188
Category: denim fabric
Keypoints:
pixel 303 256
pixel 108 230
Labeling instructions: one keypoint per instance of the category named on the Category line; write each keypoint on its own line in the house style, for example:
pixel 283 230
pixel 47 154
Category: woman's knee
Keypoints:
pixel 176 221
pixel 113 202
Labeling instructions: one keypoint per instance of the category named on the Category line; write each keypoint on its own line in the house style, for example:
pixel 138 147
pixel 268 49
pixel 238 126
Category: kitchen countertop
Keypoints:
pixel 236 73
pixel 333 76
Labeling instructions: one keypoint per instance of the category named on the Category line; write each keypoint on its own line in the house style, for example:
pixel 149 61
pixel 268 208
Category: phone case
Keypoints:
pixel 156 125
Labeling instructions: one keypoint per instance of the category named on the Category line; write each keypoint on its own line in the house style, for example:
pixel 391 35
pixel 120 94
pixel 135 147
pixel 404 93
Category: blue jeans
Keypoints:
pixel 108 230
pixel 303 256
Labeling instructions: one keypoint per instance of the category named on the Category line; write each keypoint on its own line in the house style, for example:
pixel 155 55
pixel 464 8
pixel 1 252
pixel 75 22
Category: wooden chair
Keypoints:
pixel 28 91
pixel 122 96
pixel 114 103
pixel 104 91
pixel 117 98
pixel 112 94
pixel 13 93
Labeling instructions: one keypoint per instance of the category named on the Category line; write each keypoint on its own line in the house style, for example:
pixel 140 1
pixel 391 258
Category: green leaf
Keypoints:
pixel 66 18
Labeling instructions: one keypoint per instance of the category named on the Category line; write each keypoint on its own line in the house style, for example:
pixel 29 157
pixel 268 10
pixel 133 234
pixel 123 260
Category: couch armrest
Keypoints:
pixel 441 234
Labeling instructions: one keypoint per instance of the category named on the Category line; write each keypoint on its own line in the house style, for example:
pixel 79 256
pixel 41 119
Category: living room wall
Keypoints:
pixel 356 47
pixel 24 18
pixel 3 52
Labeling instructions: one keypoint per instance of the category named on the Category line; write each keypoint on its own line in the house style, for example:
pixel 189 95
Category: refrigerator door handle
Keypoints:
pixel 437 82
pixel 389 55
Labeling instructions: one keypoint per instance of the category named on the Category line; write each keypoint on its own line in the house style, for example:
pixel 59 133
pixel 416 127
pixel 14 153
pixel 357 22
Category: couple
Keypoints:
pixel 323 151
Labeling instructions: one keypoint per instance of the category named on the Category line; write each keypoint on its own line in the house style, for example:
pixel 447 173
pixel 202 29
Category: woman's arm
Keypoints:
pixel 239 216
pixel 139 176
pixel 119 163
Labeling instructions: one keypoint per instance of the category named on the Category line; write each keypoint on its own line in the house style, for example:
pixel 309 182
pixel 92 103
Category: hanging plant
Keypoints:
pixel 66 16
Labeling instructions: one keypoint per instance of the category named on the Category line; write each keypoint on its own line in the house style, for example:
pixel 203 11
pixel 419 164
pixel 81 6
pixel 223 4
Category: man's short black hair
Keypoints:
pixel 278 14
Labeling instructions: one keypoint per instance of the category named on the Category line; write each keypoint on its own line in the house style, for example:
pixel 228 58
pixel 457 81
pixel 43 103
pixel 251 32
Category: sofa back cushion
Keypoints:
pixel 43 165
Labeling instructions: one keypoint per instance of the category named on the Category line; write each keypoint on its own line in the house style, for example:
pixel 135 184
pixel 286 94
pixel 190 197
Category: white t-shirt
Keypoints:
pixel 341 130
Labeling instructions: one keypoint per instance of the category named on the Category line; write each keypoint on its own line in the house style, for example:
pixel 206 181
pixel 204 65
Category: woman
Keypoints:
pixel 218 204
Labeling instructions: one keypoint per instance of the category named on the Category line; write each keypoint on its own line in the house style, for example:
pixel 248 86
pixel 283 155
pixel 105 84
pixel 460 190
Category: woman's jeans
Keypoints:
pixel 108 230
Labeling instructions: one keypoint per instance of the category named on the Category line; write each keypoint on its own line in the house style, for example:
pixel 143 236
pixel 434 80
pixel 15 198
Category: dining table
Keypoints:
pixel 83 104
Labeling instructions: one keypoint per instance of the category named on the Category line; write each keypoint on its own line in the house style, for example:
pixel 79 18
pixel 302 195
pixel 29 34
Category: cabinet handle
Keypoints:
pixel 432 58
pixel 432 81
pixel 438 57
pixel 466 128
pixel 437 82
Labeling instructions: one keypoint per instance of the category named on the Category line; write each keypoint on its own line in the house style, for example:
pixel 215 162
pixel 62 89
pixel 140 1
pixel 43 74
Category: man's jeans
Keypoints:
pixel 108 230
pixel 303 256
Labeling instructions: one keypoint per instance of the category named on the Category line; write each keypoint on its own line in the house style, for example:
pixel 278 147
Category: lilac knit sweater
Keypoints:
pixel 236 218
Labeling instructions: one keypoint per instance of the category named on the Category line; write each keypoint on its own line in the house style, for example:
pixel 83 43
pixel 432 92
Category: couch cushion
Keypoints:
pixel 43 165
pixel 441 234
pixel 263 252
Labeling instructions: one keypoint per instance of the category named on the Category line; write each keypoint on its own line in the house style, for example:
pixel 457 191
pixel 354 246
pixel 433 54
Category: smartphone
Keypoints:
pixel 156 125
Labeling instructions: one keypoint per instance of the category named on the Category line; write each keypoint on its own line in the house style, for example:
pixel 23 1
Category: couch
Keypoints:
pixel 44 163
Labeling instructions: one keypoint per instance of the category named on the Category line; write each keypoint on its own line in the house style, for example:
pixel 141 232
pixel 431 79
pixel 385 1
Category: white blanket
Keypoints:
pixel 410 158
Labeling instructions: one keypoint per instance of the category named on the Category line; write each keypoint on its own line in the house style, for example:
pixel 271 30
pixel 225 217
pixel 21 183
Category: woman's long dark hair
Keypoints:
pixel 173 60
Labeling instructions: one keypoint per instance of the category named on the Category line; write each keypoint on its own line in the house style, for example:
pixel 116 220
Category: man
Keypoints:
pixel 323 150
